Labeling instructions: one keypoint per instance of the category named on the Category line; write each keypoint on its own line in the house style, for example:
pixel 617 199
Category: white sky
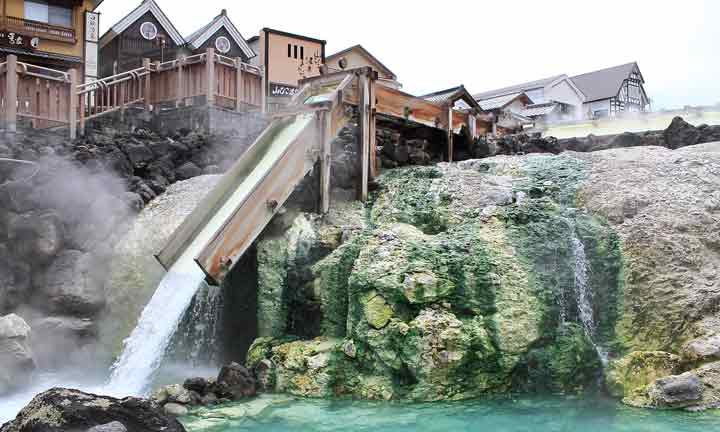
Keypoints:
pixel 433 45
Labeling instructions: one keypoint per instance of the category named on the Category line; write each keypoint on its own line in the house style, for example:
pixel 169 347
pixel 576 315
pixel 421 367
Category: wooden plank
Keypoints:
pixel 253 215
pixel 179 84
pixel 210 76
pixel 450 133
pixel 11 94
pixel 364 98
pixel 326 161
pixel 393 103
pixel 373 130
pixel 73 103
pixel 240 85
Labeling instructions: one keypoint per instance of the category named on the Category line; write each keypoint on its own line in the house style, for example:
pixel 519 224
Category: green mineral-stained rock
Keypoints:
pixel 423 287
pixel 308 368
pixel 272 259
pixel 632 373
pixel 377 311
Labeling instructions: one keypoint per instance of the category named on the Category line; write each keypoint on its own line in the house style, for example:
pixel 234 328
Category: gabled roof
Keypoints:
pixel 500 102
pixel 604 83
pixel 198 38
pixel 538 110
pixel 453 95
pixel 145 7
pixel 519 88
pixel 367 54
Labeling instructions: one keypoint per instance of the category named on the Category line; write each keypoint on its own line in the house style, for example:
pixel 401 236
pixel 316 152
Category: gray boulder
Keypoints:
pixel 16 359
pixel 110 427
pixel 14 280
pixel 235 382
pixel 681 134
pixel 74 284
pixel 187 171
pixel 38 237
pixel 676 391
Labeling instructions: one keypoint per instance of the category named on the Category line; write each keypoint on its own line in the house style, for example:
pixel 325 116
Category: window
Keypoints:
pixel 600 113
pixel 295 51
pixel 289 50
pixel 148 30
pixel 41 11
pixel 223 44
pixel 302 52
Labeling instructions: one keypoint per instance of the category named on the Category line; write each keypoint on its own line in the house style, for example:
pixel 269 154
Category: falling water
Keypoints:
pixel 145 348
pixel 584 296
pixel 196 341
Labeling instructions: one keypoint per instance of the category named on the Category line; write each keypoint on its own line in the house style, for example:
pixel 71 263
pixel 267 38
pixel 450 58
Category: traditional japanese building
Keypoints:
pixel 146 32
pixel 58 34
pixel 357 56
pixel 222 35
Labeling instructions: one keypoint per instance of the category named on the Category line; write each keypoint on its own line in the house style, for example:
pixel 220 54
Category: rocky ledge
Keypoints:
pixel 506 274
pixel 64 410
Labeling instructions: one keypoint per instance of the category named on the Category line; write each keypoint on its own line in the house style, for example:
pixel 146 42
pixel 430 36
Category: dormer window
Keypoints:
pixel 148 30
pixel 42 11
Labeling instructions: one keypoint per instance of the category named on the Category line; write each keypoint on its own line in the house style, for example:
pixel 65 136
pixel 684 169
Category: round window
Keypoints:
pixel 148 30
pixel 222 44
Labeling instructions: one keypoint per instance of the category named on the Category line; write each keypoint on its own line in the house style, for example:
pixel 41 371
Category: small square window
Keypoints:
pixel 296 53
pixel 289 51
pixel 302 52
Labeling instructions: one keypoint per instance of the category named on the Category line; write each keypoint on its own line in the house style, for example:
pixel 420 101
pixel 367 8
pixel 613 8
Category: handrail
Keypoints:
pixel 26 67
pixel 115 79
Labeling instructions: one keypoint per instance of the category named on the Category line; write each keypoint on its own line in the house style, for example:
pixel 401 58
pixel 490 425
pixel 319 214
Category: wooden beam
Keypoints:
pixel 210 76
pixel 326 160
pixel 395 103
pixel 179 88
pixel 363 103
pixel 73 103
pixel 240 92
pixel 450 133
pixel 11 93
pixel 146 87
pixel 373 130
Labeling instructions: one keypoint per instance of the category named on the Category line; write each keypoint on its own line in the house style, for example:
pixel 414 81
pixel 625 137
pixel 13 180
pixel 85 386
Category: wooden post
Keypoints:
pixel 326 160
pixel 450 133
pixel 11 93
pixel 210 76
pixel 373 130
pixel 73 103
pixel 82 101
pixel 240 93
pixel 180 96
pixel 363 99
pixel 146 88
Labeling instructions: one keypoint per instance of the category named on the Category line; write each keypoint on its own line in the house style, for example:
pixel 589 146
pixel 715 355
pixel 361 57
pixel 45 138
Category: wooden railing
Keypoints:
pixel 41 95
pixel 36 28
pixel 54 98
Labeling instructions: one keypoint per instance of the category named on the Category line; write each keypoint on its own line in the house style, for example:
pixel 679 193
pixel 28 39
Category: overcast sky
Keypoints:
pixel 433 45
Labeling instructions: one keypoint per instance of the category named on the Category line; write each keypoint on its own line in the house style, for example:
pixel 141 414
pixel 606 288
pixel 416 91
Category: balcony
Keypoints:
pixel 37 29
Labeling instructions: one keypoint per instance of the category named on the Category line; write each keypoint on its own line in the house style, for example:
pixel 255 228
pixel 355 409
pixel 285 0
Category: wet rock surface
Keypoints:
pixel 71 410
pixel 16 358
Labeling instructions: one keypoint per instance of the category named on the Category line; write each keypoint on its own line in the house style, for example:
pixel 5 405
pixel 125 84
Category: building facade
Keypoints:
pixel 613 91
pixel 52 34
pixel 356 57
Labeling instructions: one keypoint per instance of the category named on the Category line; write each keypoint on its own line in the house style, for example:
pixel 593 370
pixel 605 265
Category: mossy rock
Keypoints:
pixel 632 373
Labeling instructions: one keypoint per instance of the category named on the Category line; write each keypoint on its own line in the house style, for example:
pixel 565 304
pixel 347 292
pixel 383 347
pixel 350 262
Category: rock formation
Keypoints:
pixel 16 358
pixel 62 410
pixel 462 280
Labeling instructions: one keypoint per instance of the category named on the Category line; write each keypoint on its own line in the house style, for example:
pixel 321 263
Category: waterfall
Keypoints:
pixel 197 338
pixel 584 297
pixel 145 349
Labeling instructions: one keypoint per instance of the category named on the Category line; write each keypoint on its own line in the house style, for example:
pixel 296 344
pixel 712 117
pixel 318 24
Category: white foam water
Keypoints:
pixel 584 297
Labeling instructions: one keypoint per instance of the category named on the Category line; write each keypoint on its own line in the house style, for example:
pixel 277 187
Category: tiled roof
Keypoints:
pixel 516 88
pixel 604 83
pixel 538 110
pixel 499 101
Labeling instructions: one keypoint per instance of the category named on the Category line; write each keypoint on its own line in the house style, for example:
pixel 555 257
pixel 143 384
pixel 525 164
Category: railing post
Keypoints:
pixel 73 103
pixel 179 97
pixel 11 92
pixel 146 88
pixel 450 133
pixel 210 76
pixel 240 93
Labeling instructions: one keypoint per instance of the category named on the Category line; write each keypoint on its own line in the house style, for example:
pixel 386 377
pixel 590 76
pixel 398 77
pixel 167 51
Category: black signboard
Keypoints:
pixel 17 40
pixel 282 90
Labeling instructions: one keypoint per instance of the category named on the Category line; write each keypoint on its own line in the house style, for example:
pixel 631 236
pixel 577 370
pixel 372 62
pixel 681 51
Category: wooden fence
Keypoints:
pixel 53 98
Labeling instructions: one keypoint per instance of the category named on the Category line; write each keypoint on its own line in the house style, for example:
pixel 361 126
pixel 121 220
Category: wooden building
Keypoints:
pixel 286 59
pixel 146 32
pixel 52 34
pixel 357 56
pixel 222 35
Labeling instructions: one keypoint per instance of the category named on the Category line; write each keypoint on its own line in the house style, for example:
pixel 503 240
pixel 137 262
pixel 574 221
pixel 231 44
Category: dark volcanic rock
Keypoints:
pixel 235 382
pixel 63 410
pixel 188 170
pixel 681 134
pixel 198 385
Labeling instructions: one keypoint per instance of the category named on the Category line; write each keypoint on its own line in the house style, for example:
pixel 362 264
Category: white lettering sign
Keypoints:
pixel 92 26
